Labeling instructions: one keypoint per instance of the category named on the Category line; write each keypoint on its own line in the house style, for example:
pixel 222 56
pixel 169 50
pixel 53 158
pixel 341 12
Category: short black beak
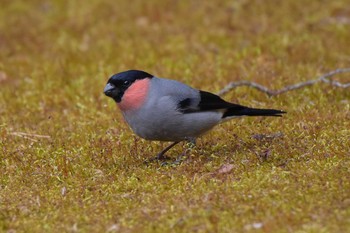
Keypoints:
pixel 110 90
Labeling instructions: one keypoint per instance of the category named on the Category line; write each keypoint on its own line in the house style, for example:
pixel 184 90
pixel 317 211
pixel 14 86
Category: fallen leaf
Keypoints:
pixel 3 76
pixel 226 168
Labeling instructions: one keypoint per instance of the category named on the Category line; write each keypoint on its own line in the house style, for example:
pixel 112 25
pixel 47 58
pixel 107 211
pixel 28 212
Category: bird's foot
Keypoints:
pixel 159 157
pixel 180 159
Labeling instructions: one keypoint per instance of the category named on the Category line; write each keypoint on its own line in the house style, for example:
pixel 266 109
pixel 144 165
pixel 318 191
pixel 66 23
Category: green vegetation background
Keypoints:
pixel 88 174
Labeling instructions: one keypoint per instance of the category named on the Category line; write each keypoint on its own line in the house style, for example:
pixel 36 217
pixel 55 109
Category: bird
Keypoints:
pixel 160 109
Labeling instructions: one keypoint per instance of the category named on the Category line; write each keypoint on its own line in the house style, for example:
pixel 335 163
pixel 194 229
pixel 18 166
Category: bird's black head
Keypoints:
pixel 119 83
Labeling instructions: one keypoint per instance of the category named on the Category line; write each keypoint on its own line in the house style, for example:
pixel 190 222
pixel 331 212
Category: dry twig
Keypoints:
pixel 326 78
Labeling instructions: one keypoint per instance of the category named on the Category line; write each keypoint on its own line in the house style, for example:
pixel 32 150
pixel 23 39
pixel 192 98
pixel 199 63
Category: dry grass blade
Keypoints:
pixel 29 136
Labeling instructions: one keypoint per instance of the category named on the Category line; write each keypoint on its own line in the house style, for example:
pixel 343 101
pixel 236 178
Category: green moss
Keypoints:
pixel 88 173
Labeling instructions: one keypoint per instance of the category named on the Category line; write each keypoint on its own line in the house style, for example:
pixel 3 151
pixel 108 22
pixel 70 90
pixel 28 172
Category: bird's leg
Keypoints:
pixel 160 155
pixel 191 143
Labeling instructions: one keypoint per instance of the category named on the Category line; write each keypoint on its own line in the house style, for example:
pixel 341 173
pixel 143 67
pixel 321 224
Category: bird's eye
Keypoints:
pixel 126 83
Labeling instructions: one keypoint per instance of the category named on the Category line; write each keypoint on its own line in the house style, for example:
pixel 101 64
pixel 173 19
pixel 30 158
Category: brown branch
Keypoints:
pixel 326 78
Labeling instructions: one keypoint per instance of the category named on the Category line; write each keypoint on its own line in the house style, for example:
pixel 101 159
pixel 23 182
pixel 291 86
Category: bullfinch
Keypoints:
pixel 167 110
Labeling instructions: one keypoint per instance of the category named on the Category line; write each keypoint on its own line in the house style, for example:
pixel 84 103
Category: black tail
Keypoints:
pixel 245 111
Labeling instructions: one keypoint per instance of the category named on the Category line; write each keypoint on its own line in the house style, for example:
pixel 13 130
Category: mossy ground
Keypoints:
pixel 89 175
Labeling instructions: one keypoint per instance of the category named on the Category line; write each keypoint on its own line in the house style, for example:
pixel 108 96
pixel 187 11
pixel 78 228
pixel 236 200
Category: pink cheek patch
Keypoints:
pixel 135 95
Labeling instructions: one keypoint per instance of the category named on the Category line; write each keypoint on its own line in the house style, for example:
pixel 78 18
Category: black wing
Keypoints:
pixel 208 102
pixel 212 102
